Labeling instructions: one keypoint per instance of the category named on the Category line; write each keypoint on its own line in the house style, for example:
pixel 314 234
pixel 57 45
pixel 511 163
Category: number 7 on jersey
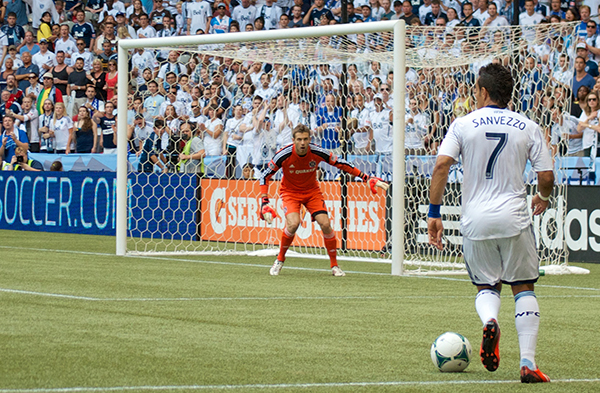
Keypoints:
pixel 502 138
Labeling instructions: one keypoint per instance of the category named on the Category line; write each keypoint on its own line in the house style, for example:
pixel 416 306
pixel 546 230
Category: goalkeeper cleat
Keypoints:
pixel 490 345
pixel 276 268
pixel 533 376
pixel 336 271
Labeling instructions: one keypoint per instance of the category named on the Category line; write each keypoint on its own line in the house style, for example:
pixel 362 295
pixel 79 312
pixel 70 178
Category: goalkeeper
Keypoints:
pixel 299 162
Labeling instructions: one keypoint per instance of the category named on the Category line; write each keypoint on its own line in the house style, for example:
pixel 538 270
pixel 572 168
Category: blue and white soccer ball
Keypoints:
pixel 451 352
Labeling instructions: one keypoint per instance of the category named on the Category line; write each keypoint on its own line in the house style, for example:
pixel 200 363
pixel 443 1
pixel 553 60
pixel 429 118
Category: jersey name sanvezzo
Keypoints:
pixel 495 145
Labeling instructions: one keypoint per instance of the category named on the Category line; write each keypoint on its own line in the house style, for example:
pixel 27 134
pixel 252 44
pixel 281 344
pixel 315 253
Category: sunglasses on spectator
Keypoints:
pixel 385 89
pixel 592 99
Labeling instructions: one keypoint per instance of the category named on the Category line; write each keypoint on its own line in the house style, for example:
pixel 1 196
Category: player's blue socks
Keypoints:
pixel 527 323
pixel 487 304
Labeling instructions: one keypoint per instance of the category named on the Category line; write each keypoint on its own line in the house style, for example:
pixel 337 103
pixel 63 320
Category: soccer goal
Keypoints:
pixel 424 77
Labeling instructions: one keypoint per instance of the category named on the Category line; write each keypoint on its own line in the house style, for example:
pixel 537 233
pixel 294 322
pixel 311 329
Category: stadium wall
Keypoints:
pixel 84 202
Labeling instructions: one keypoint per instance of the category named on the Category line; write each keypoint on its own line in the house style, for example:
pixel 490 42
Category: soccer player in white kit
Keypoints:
pixel 498 242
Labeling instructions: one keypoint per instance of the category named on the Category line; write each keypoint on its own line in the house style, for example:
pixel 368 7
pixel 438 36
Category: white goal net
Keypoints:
pixel 242 93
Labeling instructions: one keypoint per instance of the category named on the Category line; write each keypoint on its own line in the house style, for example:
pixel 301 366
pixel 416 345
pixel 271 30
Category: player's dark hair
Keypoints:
pixel 498 82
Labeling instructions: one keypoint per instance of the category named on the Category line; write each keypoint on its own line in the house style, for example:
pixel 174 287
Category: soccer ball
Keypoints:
pixel 451 352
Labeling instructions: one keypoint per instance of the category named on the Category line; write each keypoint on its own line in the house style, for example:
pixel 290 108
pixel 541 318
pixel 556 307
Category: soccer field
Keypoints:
pixel 77 318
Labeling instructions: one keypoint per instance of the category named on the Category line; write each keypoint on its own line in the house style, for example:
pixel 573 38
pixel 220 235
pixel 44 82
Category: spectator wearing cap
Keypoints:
pixel 220 22
pixel 366 13
pixel 49 91
pixel 316 13
pixel 111 7
pixel 44 59
pixel 14 33
pixel 244 13
pixel 23 73
pixel 270 13
pixel 591 67
pixel 38 8
pixel 122 24
pixel 12 54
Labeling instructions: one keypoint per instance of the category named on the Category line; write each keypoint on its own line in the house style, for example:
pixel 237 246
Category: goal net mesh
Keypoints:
pixel 303 81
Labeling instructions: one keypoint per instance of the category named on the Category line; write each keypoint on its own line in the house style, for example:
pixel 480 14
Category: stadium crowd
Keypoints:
pixel 58 80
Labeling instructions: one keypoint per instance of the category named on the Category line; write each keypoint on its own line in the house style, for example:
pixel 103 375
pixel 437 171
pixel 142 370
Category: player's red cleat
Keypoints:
pixel 535 376
pixel 490 345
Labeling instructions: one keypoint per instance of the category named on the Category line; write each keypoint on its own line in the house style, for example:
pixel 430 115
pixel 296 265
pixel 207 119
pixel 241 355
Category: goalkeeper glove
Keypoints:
pixel 375 182
pixel 267 212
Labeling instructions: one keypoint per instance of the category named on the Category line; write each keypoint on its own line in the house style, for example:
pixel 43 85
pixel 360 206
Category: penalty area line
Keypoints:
pixel 252 298
pixel 223 263
pixel 280 386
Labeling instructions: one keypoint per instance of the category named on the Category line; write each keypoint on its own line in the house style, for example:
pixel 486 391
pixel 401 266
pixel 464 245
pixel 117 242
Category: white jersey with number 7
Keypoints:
pixel 495 145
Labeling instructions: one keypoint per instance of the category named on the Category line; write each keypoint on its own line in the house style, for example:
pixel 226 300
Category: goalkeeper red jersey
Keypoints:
pixel 300 172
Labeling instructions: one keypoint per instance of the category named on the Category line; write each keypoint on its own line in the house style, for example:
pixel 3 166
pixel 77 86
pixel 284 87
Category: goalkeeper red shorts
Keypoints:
pixel 313 200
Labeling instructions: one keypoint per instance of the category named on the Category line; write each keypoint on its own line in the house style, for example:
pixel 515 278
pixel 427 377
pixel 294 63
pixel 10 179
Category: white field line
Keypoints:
pixel 261 298
pixel 281 386
pixel 265 266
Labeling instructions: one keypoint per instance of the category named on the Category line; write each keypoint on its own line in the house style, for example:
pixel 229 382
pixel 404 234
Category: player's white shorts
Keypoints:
pixel 512 260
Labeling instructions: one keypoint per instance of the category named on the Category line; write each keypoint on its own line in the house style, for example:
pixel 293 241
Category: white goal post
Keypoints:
pixel 397 28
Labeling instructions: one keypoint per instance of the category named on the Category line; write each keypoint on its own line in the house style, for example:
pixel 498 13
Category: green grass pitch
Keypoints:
pixel 77 318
